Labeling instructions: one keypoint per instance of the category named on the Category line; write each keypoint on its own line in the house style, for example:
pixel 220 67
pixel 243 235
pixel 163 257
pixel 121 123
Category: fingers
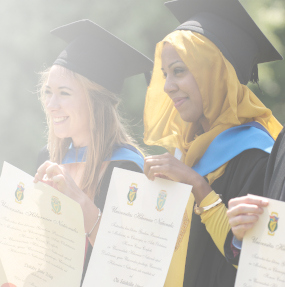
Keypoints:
pixel 243 219
pixel 244 209
pixel 240 230
pixel 243 212
pixel 242 222
pixel 157 164
pixel 162 176
pixel 52 174
pixel 59 182
pixel 41 172
pixel 53 170
pixel 249 199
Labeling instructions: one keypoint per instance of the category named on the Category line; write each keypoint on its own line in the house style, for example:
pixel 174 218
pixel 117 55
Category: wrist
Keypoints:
pixel 201 189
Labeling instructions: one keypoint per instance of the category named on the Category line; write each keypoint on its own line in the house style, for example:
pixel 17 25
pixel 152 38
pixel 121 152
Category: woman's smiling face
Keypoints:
pixel 180 85
pixel 66 106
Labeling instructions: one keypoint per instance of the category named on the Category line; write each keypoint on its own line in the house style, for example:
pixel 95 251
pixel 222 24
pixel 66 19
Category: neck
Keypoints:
pixel 79 143
pixel 205 124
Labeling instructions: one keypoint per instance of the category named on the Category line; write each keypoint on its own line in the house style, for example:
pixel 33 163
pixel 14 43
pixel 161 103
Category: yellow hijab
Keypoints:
pixel 226 103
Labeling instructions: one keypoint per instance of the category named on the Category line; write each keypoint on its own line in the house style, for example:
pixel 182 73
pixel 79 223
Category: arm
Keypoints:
pixel 167 166
pixel 244 174
pixel 59 178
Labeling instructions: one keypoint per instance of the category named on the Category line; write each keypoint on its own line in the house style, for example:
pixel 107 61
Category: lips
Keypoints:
pixel 179 101
pixel 59 120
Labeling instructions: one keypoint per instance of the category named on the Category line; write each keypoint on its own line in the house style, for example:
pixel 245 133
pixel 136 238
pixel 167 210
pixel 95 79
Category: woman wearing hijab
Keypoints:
pixel 198 107
pixel 86 136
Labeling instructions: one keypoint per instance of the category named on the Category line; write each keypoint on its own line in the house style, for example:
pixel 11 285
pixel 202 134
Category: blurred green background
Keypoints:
pixel 27 48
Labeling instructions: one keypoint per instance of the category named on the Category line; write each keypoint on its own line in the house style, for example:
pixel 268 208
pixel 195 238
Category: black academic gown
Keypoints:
pixel 205 265
pixel 274 185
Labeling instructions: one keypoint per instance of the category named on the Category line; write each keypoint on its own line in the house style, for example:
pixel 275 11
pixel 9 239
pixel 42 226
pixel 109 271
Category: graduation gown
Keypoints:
pixel 205 264
pixel 274 186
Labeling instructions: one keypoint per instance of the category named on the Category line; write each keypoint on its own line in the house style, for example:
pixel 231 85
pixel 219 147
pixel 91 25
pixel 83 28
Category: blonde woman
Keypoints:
pixel 87 137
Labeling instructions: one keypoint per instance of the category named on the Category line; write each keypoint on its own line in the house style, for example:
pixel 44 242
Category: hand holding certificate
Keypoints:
pixel 262 259
pixel 138 231
pixel 42 239
pixel 42 236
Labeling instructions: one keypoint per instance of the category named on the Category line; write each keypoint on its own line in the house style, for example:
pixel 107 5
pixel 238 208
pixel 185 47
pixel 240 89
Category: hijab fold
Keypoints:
pixel 226 102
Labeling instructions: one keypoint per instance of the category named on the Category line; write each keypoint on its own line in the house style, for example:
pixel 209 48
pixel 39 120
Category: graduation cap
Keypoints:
pixel 98 55
pixel 227 24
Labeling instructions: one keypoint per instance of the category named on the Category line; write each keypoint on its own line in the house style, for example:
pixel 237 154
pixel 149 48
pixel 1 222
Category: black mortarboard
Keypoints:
pixel 98 55
pixel 227 24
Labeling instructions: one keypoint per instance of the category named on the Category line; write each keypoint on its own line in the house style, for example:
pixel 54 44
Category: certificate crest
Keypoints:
pixel 273 223
pixel 19 193
pixel 161 200
pixel 132 195
pixel 56 205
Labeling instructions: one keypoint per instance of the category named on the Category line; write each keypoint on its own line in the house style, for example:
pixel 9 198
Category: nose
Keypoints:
pixel 52 103
pixel 170 86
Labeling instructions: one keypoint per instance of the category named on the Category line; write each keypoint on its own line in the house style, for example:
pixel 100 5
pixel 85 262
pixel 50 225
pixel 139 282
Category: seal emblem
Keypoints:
pixel 273 223
pixel 56 205
pixel 19 193
pixel 132 195
pixel 161 200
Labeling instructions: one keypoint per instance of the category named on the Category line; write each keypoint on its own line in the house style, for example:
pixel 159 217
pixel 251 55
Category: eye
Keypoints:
pixel 64 93
pixel 47 92
pixel 178 71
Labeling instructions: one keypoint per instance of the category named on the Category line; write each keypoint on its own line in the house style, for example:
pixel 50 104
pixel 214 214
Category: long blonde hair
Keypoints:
pixel 107 129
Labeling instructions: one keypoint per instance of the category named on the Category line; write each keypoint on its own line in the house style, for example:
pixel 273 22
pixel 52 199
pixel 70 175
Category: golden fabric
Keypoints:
pixel 226 103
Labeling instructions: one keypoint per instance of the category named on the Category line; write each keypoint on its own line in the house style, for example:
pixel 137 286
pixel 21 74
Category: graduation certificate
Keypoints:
pixel 262 259
pixel 138 231
pixel 42 239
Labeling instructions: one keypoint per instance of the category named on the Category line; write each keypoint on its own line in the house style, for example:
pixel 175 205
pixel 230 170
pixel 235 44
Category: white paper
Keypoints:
pixel 262 259
pixel 42 238
pixel 137 234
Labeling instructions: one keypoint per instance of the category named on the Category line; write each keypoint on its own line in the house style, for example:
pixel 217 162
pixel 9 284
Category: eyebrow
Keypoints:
pixel 61 88
pixel 169 66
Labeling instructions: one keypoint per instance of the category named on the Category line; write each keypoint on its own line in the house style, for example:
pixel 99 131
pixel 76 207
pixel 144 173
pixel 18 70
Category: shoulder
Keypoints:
pixel 247 162
pixel 244 174
pixel 129 165
pixel 250 157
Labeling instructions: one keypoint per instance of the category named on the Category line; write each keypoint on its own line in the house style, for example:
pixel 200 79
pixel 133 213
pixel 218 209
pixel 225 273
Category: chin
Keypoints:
pixel 60 135
pixel 186 118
